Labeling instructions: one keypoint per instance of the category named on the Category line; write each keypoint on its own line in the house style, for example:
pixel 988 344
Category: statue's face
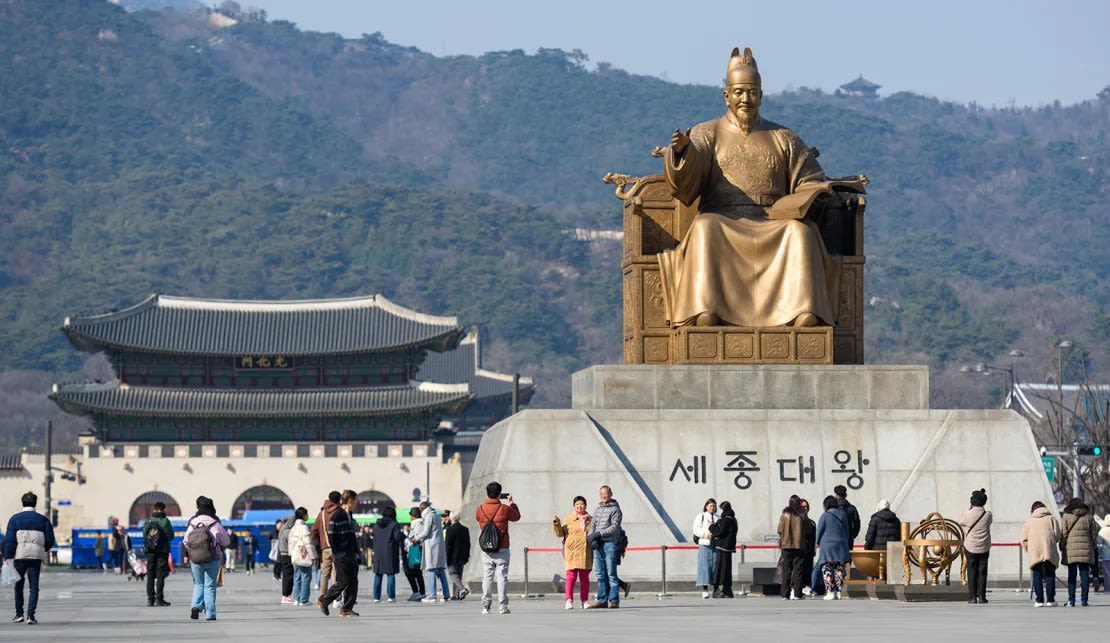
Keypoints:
pixel 743 100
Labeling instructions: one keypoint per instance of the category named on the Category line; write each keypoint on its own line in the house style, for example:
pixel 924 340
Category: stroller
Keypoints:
pixel 136 560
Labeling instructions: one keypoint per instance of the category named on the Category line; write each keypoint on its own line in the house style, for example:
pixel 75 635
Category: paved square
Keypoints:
pixel 90 606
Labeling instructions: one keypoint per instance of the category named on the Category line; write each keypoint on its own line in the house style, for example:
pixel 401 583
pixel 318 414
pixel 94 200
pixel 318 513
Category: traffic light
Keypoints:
pixel 1091 450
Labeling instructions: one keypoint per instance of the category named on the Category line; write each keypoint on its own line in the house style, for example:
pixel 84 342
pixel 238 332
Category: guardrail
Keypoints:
pixel 741 548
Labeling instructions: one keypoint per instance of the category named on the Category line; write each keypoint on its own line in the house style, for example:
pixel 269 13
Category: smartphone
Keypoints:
pixel 504 496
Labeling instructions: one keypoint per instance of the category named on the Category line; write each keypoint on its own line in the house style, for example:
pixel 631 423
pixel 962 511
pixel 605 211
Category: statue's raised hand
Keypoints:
pixel 679 141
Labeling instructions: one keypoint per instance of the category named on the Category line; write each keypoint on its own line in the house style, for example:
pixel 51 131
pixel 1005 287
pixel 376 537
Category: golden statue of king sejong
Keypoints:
pixel 750 258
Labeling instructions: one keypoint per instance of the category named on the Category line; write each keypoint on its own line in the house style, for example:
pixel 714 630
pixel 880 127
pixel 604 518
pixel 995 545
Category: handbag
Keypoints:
pixel 275 553
pixel 220 577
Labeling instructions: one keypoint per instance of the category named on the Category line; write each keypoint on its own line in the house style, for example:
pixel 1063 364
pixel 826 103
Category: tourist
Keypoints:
pixel 99 551
pixel 458 555
pixel 320 534
pixel 791 545
pixel 249 545
pixel 809 549
pixel 231 551
pixel 724 541
pixel 577 554
pixel 157 536
pixel 884 527
pixel 834 541
pixel 841 493
pixel 204 553
pixel 605 529
pixel 388 538
pixel 707 556
pixel 414 556
pixel 1078 547
pixel 1104 551
pixel 340 530
pixel 366 545
pixel 496 563
pixel 27 540
pixel 302 555
pixel 977 544
pixel 285 561
pixel 120 544
pixel 1040 538
pixel 434 561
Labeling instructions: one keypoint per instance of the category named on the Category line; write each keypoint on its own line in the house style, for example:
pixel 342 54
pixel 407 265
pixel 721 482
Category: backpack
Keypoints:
pixel 489 539
pixel 199 545
pixel 152 539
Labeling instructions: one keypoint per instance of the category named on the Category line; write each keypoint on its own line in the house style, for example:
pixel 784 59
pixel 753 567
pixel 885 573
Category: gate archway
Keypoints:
pixel 373 502
pixel 144 506
pixel 261 498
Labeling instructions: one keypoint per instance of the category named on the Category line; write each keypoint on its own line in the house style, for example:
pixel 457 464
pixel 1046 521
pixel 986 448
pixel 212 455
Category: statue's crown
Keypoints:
pixel 742 67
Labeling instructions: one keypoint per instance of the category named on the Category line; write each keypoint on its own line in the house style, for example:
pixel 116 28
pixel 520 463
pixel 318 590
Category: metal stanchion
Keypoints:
pixel 525 594
pixel 663 567
pixel 1021 568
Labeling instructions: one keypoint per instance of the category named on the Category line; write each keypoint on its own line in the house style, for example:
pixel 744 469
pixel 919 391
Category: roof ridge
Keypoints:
pixel 408 313
pixel 151 300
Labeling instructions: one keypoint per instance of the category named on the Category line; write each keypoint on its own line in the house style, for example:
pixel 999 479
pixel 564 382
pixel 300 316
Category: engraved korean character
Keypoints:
pixel 742 463
pixel 786 469
pixel 695 472
pixel 844 459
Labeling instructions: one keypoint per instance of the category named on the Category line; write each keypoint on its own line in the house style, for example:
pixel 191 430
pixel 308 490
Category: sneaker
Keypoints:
pixel 705 594
pixel 391 600
pixel 807 591
pixel 18 618
pixel 286 600
pixel 377 600
pixel 830 596
pixel 485 610
pixel 983 601
pixel 837 596
pixel 504 610
pixel 569 605
pixel 463 594
pixel 348 613
pixel 597 606
pixel 31 620
pixel 323 607
pixel 794 598
pixel 429 599
pixel 210 618
pixel 614 606
pixel 1069 604
pixel 1050 604
pixel 194 613
pixel 1038 604
pixel 336 604
pixel 1083 604
pixel 161 603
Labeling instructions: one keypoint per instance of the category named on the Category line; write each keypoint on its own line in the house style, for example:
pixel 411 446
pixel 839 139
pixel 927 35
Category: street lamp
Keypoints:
pixel 989 369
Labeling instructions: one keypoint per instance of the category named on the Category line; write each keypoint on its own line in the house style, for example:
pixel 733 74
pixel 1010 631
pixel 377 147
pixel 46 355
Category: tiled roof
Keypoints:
pixel 117 399
pixel 184 325
pixel 11 462
pixel 464 365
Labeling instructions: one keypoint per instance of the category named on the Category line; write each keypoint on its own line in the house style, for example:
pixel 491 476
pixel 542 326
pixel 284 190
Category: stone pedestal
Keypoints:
pixel 665 438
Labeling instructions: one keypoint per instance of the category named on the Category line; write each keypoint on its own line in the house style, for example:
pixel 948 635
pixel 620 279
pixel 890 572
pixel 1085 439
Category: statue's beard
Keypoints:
pixel 745 119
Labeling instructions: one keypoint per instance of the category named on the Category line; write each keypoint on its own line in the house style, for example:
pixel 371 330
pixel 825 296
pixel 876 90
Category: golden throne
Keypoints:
pixel 655 221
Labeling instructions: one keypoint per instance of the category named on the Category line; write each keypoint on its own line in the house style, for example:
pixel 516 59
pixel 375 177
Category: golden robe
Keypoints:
pixel 734 261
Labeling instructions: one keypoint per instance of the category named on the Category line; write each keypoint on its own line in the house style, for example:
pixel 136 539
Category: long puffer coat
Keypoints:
pixel 1079 531
pixel 577 553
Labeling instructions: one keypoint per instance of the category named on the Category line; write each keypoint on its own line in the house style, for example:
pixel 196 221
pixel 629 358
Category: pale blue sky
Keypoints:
pixel 992 52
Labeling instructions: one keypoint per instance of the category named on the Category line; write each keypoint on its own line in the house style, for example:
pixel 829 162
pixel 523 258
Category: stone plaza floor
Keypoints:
pixel 90 606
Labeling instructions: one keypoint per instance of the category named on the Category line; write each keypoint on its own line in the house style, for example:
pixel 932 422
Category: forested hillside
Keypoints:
pixel 155 151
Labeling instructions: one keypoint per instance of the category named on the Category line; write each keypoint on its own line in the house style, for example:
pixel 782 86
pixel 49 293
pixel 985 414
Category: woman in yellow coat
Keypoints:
pixel 577 555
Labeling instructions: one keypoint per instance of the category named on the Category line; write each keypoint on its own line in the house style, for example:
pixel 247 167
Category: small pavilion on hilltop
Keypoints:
pixel 860 87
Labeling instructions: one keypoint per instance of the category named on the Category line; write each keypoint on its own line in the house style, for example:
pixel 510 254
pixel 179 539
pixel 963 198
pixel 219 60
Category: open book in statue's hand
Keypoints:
pixel 796 205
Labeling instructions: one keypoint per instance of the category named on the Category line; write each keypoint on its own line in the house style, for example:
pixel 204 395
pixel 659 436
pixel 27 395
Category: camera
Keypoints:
pixel 505 496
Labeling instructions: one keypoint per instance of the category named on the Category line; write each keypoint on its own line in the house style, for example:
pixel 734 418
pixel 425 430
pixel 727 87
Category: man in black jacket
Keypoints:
pixel 841 493
pixel 344 550
pixel 458 554
pixel 157 536
pixel 884 527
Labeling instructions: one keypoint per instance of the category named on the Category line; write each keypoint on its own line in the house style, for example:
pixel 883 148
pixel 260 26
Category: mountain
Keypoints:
pixel 239 157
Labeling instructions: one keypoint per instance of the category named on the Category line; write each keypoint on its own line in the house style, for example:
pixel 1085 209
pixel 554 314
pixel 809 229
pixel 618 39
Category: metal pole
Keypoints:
pixel 525 594
pixel 1021 569
pixel 1075 472
pixel 516 393
pixel 49 470
pixel 663 563
pixel 743 548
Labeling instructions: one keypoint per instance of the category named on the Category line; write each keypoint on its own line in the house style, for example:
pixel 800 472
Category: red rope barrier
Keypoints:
pixel 559 550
